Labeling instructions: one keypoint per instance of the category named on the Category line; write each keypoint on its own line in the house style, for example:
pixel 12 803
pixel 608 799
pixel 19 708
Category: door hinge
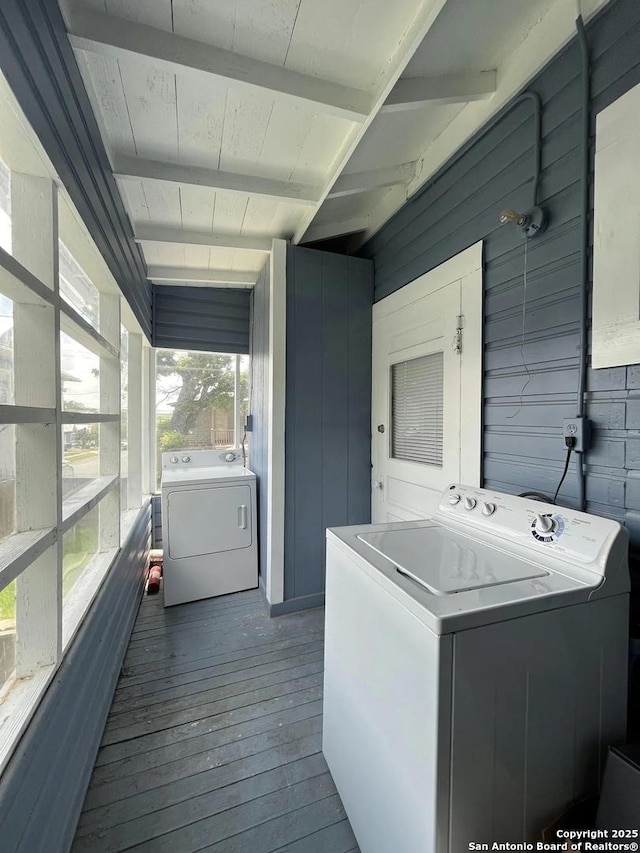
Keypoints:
pixel 457 338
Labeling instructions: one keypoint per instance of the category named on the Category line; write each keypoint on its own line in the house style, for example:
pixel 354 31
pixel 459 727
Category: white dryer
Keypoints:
pixel 475 670
pixel 209 525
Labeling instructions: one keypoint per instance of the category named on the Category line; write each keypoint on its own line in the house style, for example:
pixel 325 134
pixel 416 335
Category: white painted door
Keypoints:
pixel 427 374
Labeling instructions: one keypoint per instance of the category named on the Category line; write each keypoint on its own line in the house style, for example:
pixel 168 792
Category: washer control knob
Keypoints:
pixel 230 457
pixel 469 503
pixel 454 499
pixel 544 524
pixel 174 460
pixel 488 508
pixel 186 459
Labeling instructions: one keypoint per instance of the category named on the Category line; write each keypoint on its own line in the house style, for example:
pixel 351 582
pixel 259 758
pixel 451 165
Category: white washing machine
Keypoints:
pixel 209 526
pixel 475 669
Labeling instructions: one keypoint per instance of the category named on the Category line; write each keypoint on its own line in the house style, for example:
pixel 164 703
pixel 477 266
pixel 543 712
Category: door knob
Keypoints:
pixel 377 484
pixel 380 427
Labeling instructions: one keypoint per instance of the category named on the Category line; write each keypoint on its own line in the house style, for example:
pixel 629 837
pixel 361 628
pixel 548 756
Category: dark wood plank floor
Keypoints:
pixel 213 740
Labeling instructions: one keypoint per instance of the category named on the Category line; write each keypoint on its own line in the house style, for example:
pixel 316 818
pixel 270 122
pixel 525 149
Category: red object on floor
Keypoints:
pixel 153 584
pixel 155 558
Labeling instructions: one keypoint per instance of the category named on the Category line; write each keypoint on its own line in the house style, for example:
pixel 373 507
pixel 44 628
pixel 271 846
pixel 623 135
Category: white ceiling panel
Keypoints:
pixel 349 42
pixel 197 205
pixel 322 146
pixel 246 261
pixel 475 36
pixel 158 107
pixel 202 257
pixel 287 132
pixel 264 216
pixel 102 79
pixel 169 255
pixel 154 202
pixel 246 120
pixel 229 212
pixel 150 95
pixel 400 137
pixel 260 30
pixel 155 13
pixel 200 110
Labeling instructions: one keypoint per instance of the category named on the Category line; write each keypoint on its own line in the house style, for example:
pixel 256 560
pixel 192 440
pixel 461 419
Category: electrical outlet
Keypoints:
pixel 248 423
pixel 580 430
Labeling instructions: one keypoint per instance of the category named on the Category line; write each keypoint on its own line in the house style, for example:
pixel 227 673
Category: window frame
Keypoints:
pixel 42 215
pixel 615 326
pixel 238 420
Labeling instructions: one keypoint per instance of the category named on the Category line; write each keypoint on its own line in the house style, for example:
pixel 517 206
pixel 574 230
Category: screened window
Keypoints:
pixel 201 400
pixel 6 350
pixel 77 289
pixel 417 397
pixel 5 207
pixel 124 417
pixel 61 341
pixel 7 634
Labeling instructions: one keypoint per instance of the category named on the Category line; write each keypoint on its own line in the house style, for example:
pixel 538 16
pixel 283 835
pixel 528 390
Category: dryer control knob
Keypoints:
pixel 174 460
pixel 469 503
pixel 454 499
pixel 186 459
pixel 488 508
pixel 544 524
pixel 230 457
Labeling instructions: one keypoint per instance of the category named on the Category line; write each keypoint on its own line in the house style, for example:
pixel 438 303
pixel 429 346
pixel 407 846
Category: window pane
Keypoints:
pixel 79 546
pixel 245 364
pixel 7 480
pixel 417 397
pixel 7 634
pixel 80 376
pixel 81 456
pixel 195 395
pixel 5 207
pixel 77 289
pixel 124 398
pixel 7 395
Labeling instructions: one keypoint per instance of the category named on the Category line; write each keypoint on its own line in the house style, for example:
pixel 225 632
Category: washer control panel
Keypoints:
pixel 567 533
pixel 547 527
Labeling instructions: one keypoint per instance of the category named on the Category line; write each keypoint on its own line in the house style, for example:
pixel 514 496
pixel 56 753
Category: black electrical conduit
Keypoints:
pixel 584 247
pixel 537 117
pixel 584 259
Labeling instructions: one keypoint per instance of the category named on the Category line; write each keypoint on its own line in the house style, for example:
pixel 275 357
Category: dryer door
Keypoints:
pixel 208 520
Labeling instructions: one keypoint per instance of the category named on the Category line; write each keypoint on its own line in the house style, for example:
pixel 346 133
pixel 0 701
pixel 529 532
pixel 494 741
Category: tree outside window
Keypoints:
pixel 196 401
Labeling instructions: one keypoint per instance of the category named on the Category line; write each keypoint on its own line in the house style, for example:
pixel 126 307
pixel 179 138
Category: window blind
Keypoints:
pixel 417 401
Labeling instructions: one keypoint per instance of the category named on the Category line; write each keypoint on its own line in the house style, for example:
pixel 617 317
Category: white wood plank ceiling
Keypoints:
pixel 231 122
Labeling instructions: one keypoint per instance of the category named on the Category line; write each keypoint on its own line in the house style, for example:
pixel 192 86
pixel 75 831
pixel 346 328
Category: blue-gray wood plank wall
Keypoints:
pixel 201 318
pixel 259 405
pixel 45 782
pixel 328 410
pixel 38 62
pixel 522 444
pixel 156 521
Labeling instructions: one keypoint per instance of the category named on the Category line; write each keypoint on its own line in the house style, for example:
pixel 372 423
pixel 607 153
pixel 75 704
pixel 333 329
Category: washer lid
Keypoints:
pixel 446 562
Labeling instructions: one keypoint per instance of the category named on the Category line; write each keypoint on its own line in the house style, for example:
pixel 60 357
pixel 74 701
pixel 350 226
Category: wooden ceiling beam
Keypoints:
pixel 411 93
pixel 137 168
pixel 171 275
pixel 178 236
pixel 352 183
pixel 413 37
pixel 107 34
pixel 325 231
